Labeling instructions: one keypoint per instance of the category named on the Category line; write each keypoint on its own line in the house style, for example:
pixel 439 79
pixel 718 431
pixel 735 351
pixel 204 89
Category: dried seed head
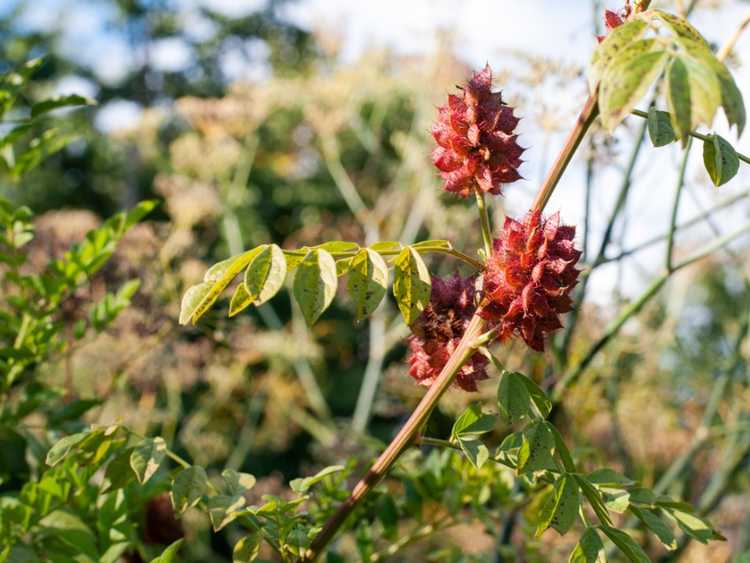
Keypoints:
pixel 477 148
pixel 529 277
pixel 438 331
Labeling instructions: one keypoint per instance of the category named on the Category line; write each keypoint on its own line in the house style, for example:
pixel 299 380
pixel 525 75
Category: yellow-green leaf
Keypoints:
pixel 193 297
pixel 368 281
pixel 241 300
pixel 147 457
pixel 720 159
pixel 411 284
pixel 678 98
pixel 315 284
pixel 265 274
pixel 610 49
pixel 624 84
pixel 218 278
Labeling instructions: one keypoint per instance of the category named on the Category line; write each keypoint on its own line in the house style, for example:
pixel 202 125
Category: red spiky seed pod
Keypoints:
pixel 529 277
pixel 438 331
pixel 477 148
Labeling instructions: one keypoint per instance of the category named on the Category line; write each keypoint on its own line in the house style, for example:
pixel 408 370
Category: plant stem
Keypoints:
pixel 676 204
pixel 403 439
pixel 705 138
pixel 585 119
pixel 466 347
pixel 484 221
pixel 689 223
pixel 627 181
pixel 635 307
pixel 366 397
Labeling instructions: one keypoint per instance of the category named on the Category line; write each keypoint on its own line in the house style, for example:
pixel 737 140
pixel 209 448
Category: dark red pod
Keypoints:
pixel 477 148
pixel 439 329
pixel 529 277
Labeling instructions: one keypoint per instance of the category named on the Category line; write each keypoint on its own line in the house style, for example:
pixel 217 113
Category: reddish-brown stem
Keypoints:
pixel 403 439
pixel 585 119
pixel 463 352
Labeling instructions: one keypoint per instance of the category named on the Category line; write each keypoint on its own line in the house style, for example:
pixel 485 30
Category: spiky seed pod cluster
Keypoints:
pixel 530 276
pixel 477 148
pixel 439 329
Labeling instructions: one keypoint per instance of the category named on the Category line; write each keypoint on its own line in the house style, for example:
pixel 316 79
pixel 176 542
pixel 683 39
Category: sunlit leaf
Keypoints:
pixel 147 457
pixel 612 46
pixel 624 84
pixel 265 273
pixel 315 284
pixel 219 277
pixel 368 281
pixel 412 284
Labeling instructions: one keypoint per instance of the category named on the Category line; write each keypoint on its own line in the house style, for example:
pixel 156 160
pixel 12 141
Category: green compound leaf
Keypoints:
pixel 199 298
pixel 368 281
pixel 626 545
pixel 720 159
pixel 625 83
pixel 589 549
pixel 411 284
pixel 265 273
pixel 660 129
pixel 705 71
pixel 561 508
pixel 147 457
pixel 315 284
pixel 609 50
pixel 188 488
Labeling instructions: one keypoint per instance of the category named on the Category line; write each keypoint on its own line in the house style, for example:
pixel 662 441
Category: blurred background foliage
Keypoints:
pixel 319 150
